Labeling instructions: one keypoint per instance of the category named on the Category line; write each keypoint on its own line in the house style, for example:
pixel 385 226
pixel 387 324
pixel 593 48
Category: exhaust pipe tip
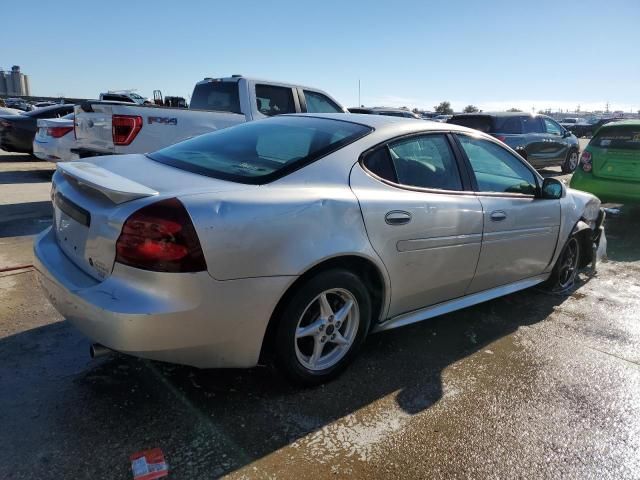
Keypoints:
pixel 96 350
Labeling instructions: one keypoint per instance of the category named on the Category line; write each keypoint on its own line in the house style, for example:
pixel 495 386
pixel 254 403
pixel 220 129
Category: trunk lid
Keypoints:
pixel 616 164
pixel 615 151
pixel 93 128
pixel 45 123
pixel 93 199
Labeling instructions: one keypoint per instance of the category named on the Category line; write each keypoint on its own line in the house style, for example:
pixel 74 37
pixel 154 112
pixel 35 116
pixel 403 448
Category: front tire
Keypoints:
pixel 571 162
pixel 322 326
pixel 565 270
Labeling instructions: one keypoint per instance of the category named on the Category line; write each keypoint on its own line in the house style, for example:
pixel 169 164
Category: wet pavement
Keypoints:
pixel 529 385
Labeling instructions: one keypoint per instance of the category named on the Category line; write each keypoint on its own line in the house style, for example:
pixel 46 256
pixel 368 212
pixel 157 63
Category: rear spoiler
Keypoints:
pixel 116 188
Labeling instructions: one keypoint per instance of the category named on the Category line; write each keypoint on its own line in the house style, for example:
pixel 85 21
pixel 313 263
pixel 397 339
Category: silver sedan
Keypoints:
pixel 290 239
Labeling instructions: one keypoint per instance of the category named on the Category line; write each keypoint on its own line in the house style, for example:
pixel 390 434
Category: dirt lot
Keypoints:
pixel 529 385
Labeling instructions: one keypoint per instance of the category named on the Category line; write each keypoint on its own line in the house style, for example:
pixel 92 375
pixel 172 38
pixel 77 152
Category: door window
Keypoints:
pixel 319 103
pixel 532 125
pixel 552 127
pixel 496 169
pixel 425 161
pixel 272 100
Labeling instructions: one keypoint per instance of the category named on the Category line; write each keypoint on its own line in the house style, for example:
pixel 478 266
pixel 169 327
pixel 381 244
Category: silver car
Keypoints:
pixel 290 239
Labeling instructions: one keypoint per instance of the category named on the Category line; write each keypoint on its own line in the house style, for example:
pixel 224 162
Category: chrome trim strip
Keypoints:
pixel 438 242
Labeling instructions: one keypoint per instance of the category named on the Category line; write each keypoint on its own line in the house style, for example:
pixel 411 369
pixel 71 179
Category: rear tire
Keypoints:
pixel 564 272
pixel 321 327
pixel 571 162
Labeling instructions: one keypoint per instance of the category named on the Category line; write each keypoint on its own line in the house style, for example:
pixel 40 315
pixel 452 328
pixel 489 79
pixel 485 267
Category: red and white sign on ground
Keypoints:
pixel 149 465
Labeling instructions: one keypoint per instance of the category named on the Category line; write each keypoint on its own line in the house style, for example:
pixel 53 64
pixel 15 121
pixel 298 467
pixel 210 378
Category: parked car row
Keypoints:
pixel 585 128
pixel 17 132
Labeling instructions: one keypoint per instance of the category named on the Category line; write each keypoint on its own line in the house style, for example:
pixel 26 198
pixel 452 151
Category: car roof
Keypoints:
pixel 632 122
pixel 382 122
pixel 498 114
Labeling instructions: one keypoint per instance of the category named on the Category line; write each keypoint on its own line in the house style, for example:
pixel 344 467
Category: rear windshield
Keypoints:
pixel 216 96
pixel 477 122
pixel 261 151
pixel 625 137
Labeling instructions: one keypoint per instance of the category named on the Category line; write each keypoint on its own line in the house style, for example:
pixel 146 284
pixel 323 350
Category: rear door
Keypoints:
pixel 615 153
pixel 520 230
pixel 420 218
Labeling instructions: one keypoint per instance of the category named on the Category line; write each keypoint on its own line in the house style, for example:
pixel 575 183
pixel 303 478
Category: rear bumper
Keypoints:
pixel 52 152
pixel 190 319
pixel 607 190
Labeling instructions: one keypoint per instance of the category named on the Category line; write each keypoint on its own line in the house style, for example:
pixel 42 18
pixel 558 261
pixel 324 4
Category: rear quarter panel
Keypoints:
pixel 277 230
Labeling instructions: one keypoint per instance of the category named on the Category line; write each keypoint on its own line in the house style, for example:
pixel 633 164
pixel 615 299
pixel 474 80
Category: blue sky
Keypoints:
pixel 494 54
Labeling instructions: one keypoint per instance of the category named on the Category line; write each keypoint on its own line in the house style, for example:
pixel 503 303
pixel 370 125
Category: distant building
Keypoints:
pixel 14 82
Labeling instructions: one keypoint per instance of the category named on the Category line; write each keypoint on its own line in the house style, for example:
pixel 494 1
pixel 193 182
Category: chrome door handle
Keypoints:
pixel 498 216
pixel 397 217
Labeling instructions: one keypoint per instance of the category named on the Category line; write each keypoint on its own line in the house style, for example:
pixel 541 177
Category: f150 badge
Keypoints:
pixel 163 120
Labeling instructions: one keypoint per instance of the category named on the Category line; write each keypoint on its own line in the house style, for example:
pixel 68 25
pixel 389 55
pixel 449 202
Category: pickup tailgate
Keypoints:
pixel 93 199
pixel 142 129
pixel 93 128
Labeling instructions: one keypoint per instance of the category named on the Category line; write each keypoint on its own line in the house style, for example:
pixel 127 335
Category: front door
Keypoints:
pixel 556 143
pixel 424 226
pixel 520 230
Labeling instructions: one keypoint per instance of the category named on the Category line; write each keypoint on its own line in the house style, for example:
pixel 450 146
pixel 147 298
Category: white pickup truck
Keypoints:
pixel 107 128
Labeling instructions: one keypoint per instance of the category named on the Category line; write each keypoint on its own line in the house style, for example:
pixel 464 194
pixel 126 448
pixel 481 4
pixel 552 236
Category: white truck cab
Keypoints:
pixel 108 128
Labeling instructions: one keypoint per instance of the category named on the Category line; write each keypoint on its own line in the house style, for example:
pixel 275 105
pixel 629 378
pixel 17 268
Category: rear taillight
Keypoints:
pixel 585 161
pixel 502 138
pixel 124 128
pixel 5 124
pixel 57 132
pixel 161 237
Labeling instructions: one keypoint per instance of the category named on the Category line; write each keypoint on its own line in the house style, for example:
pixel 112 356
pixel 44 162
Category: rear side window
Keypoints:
pixel 624 137
pixel 532 125
pixel 508 125
pixel 319 103
pixel 216 96
pixel 272 100
pixel 116 98
pixel 260 152
pixel 483 123
pixel 424 161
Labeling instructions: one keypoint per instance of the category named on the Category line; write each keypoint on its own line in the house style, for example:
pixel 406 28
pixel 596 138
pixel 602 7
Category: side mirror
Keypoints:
pixel 566 134
pixel 551 189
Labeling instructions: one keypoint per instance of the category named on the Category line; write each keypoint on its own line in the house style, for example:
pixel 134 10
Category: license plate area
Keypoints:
pixel 71 209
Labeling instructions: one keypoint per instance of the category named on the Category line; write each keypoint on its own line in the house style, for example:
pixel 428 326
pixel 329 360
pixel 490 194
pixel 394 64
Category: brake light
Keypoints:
pixel 57 132
pixel 5 124
pixel 585 161
pixel 160 237
pixel 124 128
pixel 502 138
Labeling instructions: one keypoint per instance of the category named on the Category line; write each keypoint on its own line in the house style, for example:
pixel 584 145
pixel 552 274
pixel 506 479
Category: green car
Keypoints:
pixel 610 165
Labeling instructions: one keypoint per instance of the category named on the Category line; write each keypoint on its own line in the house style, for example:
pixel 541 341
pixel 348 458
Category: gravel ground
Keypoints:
pixel 530 385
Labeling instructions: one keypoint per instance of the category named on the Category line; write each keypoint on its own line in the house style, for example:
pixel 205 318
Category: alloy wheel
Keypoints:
pixel 573 161
pixel 327 329
pixel 568 264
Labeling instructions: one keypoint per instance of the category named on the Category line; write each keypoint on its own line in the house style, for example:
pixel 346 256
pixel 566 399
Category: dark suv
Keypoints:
pixel 541 140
